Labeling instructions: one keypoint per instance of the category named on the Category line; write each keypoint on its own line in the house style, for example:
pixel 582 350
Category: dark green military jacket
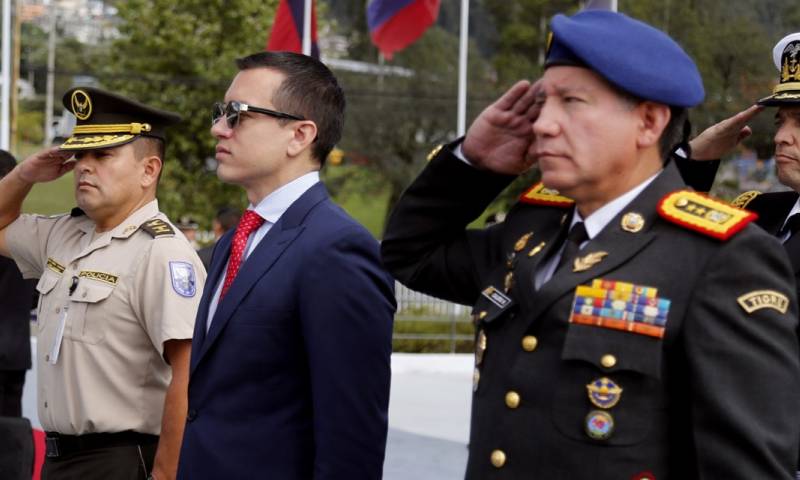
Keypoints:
pixel 773 208
pixel 715 396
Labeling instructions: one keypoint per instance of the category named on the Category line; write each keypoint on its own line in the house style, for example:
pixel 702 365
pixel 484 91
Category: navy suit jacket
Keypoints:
pixel 291 381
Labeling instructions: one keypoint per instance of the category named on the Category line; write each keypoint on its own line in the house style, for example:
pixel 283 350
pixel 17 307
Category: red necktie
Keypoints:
pixel 249 222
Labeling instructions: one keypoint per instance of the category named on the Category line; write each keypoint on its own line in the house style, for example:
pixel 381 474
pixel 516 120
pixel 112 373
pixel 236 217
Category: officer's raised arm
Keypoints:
pixel 43 166
pixel 721 138
pixel 498 140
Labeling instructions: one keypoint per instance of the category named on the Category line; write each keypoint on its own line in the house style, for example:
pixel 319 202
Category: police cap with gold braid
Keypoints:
pixel 105 119
pixel 786 56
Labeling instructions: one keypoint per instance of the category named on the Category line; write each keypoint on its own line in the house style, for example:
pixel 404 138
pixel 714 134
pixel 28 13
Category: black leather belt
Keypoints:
pixel 61 445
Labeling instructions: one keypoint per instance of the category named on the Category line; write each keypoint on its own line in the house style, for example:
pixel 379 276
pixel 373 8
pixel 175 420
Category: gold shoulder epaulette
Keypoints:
pixel 434 152
pixel 745 198
pixel 158 228
pixel 541 195
pixel 699 212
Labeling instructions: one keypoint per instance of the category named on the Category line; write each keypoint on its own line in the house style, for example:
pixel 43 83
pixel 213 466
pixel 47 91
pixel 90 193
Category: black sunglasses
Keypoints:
pixel 233 110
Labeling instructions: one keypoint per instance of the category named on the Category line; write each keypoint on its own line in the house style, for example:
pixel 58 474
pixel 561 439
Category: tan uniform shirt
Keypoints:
pixel 119 295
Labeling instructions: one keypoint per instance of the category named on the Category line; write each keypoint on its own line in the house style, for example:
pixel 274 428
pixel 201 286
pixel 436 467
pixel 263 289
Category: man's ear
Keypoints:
pixel 305 132
pixel 152 168
pixel 654 119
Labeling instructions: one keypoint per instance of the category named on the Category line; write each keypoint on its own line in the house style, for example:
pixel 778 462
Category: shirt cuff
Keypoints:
pixel 459 154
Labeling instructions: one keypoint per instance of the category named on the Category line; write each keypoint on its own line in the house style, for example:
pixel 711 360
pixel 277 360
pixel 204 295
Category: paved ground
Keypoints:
pixel 428 416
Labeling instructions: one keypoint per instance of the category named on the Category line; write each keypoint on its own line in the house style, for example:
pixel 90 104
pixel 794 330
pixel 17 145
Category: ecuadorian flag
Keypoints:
pixel 396 24
pixel 287 29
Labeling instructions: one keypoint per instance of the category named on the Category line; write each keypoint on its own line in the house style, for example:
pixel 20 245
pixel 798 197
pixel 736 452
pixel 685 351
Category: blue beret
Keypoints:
pixel 630 54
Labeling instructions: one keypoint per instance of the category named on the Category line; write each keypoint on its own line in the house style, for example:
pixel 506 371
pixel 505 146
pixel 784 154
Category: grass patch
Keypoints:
pixel 431 336
pixel 368 209
pixel 52 197
pixel 362 194
pixel 47 198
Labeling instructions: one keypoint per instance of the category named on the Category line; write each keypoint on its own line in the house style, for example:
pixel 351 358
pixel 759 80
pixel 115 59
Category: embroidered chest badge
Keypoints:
pixel 183 279
pixel 604 392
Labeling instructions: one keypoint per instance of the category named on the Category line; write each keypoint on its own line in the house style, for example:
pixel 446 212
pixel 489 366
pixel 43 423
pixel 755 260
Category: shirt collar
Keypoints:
pixel 598 220
pixel 130 224
pixel 274 205
pixel 795 209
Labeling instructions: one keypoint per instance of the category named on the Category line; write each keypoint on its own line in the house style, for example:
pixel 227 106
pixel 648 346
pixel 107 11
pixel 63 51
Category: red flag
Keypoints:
pixel 396 24
pixel 287 28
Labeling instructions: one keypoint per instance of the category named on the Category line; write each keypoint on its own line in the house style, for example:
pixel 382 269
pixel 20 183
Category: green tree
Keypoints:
pixel 182 59
pixel 71 58
pixel 394 120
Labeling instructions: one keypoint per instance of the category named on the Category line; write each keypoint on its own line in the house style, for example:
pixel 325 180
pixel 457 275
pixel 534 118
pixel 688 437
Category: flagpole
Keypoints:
pixel 462 69
pixel 5 92
pixel 307 28
pixel 51 72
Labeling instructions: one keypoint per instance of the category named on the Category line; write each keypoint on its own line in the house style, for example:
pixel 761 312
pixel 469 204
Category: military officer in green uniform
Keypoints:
pixel 777 211
pixel 119 288
pixel 626 326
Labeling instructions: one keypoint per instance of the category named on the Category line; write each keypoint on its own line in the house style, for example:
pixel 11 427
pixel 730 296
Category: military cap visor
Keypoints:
pixel 631 55
pixel 786 56
pixel 105 119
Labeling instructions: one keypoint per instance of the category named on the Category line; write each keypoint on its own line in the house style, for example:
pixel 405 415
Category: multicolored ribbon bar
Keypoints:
pixel 621 306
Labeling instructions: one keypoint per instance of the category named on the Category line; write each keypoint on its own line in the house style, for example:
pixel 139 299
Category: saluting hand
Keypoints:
pixel 721 138
pixel 45 165
pixel 499 138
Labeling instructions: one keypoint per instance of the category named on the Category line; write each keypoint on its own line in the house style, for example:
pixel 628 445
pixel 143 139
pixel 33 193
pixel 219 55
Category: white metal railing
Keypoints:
pixel 419 307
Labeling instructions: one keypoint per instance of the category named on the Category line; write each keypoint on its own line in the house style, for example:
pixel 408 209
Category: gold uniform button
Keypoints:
pixel 512 399
pixel 498 458
pixel 529 343
pixel 608 360
pixel 483 314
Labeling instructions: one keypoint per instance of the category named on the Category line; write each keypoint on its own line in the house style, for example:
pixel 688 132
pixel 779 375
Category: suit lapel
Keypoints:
pixel 274 243
pixel 619 244
pixel 213 279
pixel 792 247
pixel 553 231
pixel 772 209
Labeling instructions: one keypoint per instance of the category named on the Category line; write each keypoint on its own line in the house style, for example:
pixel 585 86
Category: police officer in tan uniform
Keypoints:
pixel 119 288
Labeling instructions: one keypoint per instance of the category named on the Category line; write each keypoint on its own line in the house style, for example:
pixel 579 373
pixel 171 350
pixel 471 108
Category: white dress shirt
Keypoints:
pixel 594 223
pixel 795 209
pixel 270 208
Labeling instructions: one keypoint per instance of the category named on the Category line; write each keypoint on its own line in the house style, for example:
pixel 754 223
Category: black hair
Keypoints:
pixel 309 90
pixel 7 163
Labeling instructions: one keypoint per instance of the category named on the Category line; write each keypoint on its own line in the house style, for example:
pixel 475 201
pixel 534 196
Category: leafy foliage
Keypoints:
pixel 182 59
pixel 178 54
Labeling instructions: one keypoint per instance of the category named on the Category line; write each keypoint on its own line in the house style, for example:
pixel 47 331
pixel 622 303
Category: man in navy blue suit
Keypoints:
pixel 290 366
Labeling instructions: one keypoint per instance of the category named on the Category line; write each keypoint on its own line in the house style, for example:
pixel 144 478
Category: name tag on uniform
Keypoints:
pixel 496 296
pixel 55 349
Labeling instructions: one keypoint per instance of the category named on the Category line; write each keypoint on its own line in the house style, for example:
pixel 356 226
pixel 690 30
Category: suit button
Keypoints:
pixel 191 415
pixel 529 343
pixel 498 458
pixel 608 360
pixel 512 399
